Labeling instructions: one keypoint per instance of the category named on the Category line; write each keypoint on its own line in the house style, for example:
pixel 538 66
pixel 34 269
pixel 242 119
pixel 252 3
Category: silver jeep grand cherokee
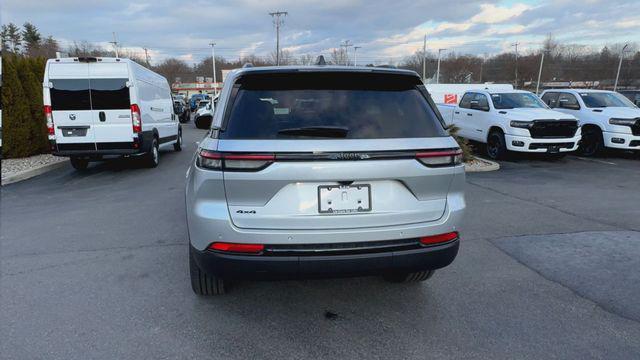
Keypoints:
pixel 322 172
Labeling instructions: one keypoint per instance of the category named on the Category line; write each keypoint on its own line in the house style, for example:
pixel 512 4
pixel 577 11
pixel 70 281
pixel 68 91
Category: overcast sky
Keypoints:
pixel 386 30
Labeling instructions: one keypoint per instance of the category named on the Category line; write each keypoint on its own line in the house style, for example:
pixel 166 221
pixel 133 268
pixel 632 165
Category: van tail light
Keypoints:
pixel 439 158
pixel 440 238
pixel 237 248
pixel 214 160
pixel 136 119
pixel 49 118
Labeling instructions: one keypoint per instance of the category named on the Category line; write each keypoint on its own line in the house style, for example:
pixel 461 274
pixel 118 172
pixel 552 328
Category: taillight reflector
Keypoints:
pixel 136 119
pixel 49 118
pixel 440 238
pixel 237 248
pixel 440 157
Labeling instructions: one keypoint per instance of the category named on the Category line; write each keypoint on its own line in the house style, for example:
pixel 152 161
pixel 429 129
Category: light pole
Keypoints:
pixel 516 46
pixel 615 85
pixel 355 55
pixel 213 60
pixel 424 59
pixel 540 72
pixel 277 21
pixel 438 70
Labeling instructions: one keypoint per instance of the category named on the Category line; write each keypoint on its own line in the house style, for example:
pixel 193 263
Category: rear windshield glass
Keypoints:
pixel 321 105
pixel 109 94
pixel 70 94
pixel 87 94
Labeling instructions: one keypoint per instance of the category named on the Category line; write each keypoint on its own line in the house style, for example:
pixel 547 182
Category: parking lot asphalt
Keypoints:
pixel 94 265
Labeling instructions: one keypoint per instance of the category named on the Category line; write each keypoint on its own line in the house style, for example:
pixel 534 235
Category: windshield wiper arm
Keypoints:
pixel 319 131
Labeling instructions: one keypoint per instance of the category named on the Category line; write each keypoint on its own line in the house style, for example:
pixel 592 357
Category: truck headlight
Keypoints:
pixel 623 122
pixel 521 124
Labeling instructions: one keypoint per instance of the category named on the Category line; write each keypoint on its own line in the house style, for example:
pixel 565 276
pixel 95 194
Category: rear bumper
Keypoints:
pixel 272 267
pixel 529 144
pixel 621 140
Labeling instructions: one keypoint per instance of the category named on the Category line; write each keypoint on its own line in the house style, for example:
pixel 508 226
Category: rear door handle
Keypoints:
pixel 102 116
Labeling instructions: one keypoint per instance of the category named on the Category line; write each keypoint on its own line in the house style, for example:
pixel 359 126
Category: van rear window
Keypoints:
pixel 70 94
pixel 109 94
pixel 335 105
pixel 88 94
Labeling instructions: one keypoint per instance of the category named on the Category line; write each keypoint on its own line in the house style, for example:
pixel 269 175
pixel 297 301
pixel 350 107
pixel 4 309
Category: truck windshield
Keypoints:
pixel 516 100
pixel 604 99
pixel 330 105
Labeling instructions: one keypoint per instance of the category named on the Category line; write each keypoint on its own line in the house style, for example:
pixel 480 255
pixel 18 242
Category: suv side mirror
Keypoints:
pixel 564 103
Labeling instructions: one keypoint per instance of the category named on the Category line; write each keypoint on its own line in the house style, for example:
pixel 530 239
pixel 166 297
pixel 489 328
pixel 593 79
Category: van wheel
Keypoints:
pixel 592 142
pixel 203 283
pixel 409 277
pixel 153 156
pixel 496 147
pixel 178 144
pixel 79 164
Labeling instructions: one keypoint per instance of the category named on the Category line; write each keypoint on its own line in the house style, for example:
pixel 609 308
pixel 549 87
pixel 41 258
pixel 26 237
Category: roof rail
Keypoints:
pixel 320 61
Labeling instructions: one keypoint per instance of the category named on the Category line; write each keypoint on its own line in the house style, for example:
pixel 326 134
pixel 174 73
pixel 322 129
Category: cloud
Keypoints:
pixel 492 14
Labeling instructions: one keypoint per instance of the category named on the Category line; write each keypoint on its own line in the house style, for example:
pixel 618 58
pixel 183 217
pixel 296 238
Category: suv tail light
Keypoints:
pixel 440 238
pixel 438 158
pixel 237 248
pixel 136 119
pixel 214 160
pixel 49 118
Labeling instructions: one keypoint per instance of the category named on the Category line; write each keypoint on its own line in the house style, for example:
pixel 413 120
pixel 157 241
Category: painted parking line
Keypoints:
pixel 596 160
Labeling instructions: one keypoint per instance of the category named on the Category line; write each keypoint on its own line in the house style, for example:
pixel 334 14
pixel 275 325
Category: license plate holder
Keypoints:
pixel 344 199
pixel 553 149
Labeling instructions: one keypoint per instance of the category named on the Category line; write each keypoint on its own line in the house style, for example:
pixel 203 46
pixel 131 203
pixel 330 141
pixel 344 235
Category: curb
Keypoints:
pixel 28 174
pixel 489 166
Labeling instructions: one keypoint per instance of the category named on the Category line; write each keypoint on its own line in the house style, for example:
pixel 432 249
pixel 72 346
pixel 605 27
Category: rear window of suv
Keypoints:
pixel 336 105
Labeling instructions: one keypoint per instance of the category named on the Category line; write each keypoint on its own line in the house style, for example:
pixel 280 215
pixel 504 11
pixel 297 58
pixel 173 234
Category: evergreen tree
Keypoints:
pixel 31 37
pixel 15 112
pixel 11 38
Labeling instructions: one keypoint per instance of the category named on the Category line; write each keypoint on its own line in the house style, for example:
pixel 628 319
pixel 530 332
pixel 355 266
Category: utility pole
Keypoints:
pixel 484 58
pixel 355 55
pixel 213 60
pixel 146 55
pixel 346 45
pixel 516 46
pixel 438 71
pixel 277 21
pixel 115 44
pixel 424 59
pixel 615 85
pixel 540 72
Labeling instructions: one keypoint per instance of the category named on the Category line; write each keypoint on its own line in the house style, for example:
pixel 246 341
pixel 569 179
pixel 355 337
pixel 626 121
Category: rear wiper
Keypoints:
pixel 318 131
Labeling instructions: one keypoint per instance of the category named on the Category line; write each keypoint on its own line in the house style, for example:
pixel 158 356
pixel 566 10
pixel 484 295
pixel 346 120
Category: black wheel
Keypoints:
pixel 410 277
pixel 496 147
pixel 79 164
pixel 153 156
pixel 178 144
pixel 203 283
pixel 592 142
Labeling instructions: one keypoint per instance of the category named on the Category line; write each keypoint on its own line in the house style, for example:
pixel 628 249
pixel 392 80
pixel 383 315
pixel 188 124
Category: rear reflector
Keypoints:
pixel 440 157
pixel 441 238
pixel 237 248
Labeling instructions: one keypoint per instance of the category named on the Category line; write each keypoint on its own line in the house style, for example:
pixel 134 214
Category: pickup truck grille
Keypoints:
pixel 546 129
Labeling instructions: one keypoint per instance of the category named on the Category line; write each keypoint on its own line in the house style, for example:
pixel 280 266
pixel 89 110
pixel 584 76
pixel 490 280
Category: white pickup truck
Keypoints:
pixel 607 118
pixel 512 120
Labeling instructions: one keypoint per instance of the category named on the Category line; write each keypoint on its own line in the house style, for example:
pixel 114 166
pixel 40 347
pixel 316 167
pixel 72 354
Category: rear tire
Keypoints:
pixel 410 277
pixel 203 283
pixel 496 146
pixel 592 142
pixel 79 164
pixel 152 158
pixel 178 144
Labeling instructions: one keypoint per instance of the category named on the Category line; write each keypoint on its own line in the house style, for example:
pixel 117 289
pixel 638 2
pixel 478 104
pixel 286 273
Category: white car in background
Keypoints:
pixel 204 114
pixel 512 120
pixel 607 119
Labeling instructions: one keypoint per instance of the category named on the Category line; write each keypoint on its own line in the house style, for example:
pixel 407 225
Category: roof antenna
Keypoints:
pixel 320 61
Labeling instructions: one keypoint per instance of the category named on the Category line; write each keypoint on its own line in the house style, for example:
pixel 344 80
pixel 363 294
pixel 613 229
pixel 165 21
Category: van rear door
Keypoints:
pixel 111 104
pixel 69 90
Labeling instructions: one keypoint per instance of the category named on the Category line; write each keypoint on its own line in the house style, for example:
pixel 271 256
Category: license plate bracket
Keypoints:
pixel 344 199
pixel 553 149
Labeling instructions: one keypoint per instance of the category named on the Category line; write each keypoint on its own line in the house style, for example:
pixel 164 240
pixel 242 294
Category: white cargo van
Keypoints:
pixel 102 107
